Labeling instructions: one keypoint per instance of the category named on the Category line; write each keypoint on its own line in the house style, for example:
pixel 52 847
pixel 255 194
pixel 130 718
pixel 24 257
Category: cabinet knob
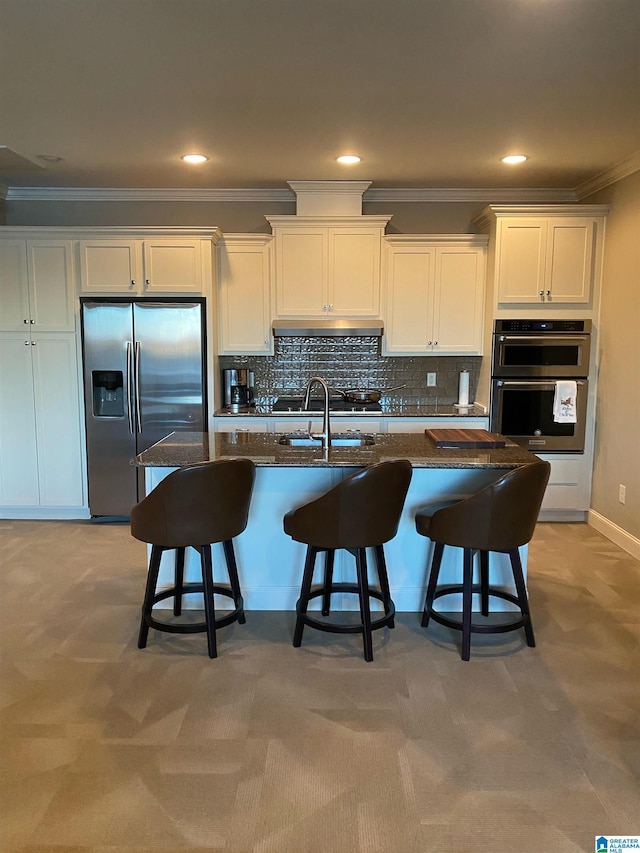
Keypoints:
pixel 26 343
pixel 429 343
pixel 32 321
pixel 133 283
pixel 33 343
pixel 542 296
pixel 330 307
pixel 548 294
pixel 147 282
pixel 435 343
pixel 25 321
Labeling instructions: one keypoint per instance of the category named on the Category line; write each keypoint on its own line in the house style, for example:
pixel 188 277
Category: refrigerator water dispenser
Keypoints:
pixel 108 393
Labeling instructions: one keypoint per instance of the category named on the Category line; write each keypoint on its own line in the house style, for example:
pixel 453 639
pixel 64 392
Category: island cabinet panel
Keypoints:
pixel 40 425
pixel 433 296
pixel 270 563
pixel 327 266
pixel 244 295
pixel 36 285
pixel 155 265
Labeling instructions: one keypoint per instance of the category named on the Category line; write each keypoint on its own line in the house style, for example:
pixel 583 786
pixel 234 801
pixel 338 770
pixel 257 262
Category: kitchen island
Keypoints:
pixel 270 563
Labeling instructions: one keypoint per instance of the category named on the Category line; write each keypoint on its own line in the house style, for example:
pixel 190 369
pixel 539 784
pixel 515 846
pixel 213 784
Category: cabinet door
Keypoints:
pixel 244 307
pixel 37 286
pixel 354 272
pixel 301 272
pixel 51 285
pixel 409 276
pixel 57 417
pixel 14 287
pixel 570 259
pixel 458 304
pixel 109 266
pixel 172 266
pixel 521 260
pixel 18 459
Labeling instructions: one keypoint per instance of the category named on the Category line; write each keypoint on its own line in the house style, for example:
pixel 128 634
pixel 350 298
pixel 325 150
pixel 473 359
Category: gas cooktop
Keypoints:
pixel 316 404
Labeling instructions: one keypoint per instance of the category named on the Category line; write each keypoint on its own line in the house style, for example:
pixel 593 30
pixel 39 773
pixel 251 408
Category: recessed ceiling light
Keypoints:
pixel 349 158
pixel 194 158
pixel 514 158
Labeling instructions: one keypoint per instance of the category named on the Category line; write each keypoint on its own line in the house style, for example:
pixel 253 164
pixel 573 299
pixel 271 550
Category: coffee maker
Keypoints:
pixel 237 390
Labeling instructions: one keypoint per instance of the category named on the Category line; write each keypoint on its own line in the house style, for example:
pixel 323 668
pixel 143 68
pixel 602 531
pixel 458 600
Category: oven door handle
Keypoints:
pixel 537 383
pixel 539 339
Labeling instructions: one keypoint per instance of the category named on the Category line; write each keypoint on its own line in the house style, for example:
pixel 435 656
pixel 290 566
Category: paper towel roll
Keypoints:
pixel 463 388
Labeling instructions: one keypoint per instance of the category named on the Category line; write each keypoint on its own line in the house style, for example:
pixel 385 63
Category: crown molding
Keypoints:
pixel 610 176
pixel 398 194
pixel 149 194
pixel 493 194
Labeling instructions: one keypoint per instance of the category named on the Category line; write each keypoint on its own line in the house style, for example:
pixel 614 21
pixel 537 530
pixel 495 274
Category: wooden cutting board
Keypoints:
pixel 465 438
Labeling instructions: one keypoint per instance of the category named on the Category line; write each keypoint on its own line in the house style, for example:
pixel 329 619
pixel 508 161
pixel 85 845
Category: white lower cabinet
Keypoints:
pixel 568 492
pixel 40 427
pixel 400 425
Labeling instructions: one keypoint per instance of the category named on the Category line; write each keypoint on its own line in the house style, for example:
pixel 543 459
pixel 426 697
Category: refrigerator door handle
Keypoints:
pixel 129 388
pixel 137 387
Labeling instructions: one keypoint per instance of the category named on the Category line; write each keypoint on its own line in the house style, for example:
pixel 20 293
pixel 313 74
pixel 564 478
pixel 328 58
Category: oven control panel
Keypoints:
pixel 544 326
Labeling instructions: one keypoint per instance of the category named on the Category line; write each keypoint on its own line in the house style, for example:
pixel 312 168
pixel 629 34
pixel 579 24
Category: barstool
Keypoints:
pixel 360 512
pixel 194 506
pixel 500 518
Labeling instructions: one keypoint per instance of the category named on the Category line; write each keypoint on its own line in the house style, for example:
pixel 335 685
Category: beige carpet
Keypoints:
pixel 271 749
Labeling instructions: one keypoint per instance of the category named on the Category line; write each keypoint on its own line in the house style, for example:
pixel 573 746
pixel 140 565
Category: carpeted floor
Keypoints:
pixel 271 749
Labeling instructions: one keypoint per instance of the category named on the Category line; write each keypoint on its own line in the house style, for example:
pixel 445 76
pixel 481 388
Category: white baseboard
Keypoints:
pixel 616 534
pixel 42 513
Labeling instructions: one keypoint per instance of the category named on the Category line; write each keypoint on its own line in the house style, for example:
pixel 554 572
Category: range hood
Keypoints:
pixel 326 328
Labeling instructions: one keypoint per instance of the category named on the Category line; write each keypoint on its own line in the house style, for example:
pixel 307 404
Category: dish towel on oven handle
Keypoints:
pixel 564 402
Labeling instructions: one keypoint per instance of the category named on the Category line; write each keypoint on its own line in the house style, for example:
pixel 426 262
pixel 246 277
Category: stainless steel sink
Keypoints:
pixel 337 440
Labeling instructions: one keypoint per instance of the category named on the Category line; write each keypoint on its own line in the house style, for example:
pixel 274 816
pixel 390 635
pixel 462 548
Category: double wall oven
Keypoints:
pixel 529 360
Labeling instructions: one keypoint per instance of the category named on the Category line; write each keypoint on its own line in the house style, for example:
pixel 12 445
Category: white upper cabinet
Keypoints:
pixel 244 295
pixel 36 285
pixel 327 266
pixel 152 265
pixel 545 260
pixel 546 255
pixel 434 295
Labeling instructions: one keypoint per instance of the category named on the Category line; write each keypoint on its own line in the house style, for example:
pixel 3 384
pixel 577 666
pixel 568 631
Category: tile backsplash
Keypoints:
pixel 355 362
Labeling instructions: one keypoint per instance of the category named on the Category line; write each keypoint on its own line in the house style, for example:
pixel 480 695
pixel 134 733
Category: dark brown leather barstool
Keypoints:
pixel 360 512
pixel 501 517
pixel 194 506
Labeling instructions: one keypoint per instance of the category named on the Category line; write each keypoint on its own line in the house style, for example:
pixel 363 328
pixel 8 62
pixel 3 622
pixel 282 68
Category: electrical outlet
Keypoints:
pixel 622 493
pixel 431 380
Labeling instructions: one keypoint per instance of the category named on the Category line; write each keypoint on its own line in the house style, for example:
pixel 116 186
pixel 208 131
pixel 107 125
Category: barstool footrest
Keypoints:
pixel 195 627
pixel 456 624
pixel 334 628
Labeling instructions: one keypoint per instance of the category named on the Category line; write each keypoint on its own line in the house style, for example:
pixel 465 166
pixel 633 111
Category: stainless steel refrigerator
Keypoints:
pixel 144 377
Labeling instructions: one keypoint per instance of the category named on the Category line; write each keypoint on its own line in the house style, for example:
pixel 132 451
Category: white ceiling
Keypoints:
pixel 430 93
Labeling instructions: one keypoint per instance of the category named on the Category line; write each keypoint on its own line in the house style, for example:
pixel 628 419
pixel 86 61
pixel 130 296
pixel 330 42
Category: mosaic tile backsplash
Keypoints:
pixel 355 362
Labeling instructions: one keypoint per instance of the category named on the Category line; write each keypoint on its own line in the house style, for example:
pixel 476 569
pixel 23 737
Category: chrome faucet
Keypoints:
pixel 326 427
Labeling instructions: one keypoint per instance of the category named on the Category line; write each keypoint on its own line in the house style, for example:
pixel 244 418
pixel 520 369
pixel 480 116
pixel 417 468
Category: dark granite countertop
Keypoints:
pixel 403 410
pixel 186 448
